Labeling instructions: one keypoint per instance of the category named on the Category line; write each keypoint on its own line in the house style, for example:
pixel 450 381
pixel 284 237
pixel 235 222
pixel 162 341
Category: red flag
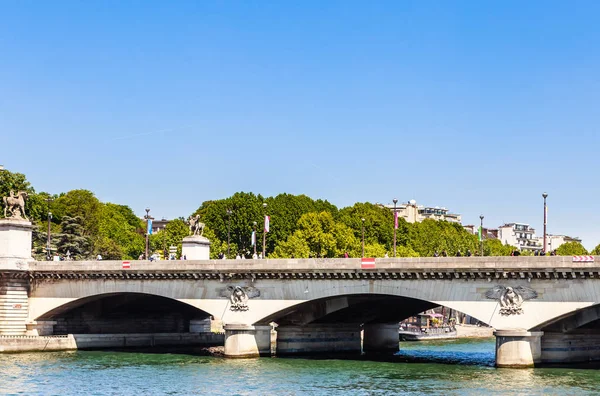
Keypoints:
pixel 396 220
pixel 267 220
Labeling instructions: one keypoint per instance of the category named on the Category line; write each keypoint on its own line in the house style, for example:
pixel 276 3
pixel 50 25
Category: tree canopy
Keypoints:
pixel 300 226
pixel 571 249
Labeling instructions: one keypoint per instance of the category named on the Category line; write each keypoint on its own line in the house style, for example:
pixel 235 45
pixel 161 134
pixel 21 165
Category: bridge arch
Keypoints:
pixel 122 312
pixel 364 308
pixel 581 319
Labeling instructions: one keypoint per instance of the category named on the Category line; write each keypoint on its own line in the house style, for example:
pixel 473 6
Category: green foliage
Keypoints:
pixel 571 249
pixel 72 239
pixel 378 224
pixel 430 236
pixel 375 250
pixel 82 204
pixel 494 247
pixel 247 208
pixel 172 235
pixel 318 235
pixel 300 227
pixel 120 233
pixel 404 251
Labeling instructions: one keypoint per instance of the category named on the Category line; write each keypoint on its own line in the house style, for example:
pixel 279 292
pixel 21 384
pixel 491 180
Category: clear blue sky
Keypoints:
pixel 475 106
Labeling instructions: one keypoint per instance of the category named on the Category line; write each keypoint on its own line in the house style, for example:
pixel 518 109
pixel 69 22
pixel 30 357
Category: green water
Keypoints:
pixel 449 368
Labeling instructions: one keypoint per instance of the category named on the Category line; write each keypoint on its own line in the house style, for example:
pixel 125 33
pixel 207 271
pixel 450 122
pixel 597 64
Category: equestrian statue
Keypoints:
pixel 196 227
pixel 15 204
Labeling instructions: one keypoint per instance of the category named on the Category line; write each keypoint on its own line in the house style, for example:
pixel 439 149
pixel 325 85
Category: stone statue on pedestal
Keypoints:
pixel 196 227
pixel 15 204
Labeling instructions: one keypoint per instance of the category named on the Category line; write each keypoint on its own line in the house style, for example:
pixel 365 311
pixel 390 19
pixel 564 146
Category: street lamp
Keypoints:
pixel 48 236
pixel 395 224
pixel 48 200
pixel 545 195
pixel 481 234
pixel 229 212
pixel 148 219
pixel 265 229
pixel 254 240
pixel 363 236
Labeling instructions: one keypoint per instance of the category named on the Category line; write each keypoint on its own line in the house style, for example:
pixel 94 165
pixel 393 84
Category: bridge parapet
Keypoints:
pixel 555 267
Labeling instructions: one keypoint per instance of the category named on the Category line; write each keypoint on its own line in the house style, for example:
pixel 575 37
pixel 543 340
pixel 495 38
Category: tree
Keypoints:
pixel 247 208
pixel 82 204
pixel 72 239
pixel 172 235
pixel 571 249
pixel 494 247
pixel 321 235
pixel 120 233
pixel 379 224
pixel 430 236
pixel 596 251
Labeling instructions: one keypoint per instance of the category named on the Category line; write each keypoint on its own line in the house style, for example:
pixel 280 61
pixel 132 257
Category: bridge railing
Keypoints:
pixel 486 263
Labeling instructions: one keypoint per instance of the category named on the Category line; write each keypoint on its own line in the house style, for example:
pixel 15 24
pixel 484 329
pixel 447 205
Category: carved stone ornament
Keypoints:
pixel 510 298
pixel 15 204
pixel 239 296
pixel 196 227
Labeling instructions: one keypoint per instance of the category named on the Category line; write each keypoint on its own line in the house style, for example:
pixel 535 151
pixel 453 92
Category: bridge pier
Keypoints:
pixel 381 338
pixel 243 341
pixel 565 348
pixel 319 339
pixel 518 348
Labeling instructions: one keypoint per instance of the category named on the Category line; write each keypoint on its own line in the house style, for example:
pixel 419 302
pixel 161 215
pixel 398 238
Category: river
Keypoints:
pixel 460 367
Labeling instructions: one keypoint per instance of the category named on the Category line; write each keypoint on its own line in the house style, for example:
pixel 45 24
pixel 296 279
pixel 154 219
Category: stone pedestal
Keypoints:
pixel 195 247
pixel 15 239
pixel 381 338
pixel 518 348
pixel 244 341
pixel 15 255
pixel 317 339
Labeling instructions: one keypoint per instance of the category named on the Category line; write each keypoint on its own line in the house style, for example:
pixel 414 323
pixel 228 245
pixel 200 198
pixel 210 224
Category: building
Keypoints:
pixel 487 233
pixel 413 213
pixel 554 241
pixel 158 225
pixel 519 235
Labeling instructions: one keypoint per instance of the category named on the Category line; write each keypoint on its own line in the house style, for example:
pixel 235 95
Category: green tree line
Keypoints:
pixel 300 227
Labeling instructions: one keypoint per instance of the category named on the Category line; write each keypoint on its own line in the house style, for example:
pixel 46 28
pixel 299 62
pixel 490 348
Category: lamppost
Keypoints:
pixel 48 237
pixel 254 241
pixel 265 229
pixel 363 236
pixel 48 200
pixel 148 219
pixel 229 212
pixel 395 224
pixel 481 234
pixel 545 195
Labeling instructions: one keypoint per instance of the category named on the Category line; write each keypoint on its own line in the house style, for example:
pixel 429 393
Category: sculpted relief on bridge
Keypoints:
pixel 511 298
pixel 239 296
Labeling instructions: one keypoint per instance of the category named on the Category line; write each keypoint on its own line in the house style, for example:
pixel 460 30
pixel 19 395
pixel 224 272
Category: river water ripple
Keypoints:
pixel 449 368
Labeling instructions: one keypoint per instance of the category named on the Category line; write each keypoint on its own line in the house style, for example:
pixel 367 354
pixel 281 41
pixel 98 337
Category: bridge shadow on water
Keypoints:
pixel 467 351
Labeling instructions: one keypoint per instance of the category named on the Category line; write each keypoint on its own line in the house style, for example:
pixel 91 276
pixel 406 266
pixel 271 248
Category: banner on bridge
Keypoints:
pixel 367 263
pixel 588 259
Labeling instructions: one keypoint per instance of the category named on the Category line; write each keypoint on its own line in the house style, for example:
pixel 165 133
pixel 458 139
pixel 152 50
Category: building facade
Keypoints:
pixel 413 213
pixel 521 236
pixel 553 242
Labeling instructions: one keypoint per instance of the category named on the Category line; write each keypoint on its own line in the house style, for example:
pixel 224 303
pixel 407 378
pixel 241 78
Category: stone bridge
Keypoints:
pixel 544 309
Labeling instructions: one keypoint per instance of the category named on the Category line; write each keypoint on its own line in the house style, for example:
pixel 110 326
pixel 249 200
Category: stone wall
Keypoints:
pixel 13 305
pixel 560 348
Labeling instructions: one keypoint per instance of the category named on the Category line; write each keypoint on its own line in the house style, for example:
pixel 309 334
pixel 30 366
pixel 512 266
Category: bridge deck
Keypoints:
pixel 404 268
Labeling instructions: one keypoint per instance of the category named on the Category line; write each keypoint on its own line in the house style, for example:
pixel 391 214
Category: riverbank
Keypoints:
pixel 18 343
pixel 472 331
